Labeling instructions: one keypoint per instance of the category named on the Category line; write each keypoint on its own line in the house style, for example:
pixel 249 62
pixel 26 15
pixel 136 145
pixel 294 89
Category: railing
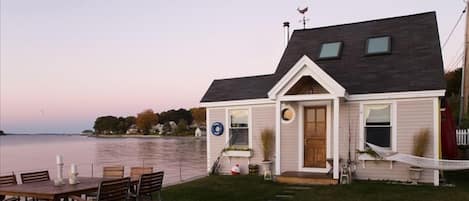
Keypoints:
pixel 176 172
pixel 462 137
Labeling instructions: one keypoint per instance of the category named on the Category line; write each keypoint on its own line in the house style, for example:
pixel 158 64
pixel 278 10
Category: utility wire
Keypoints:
pixel 454 28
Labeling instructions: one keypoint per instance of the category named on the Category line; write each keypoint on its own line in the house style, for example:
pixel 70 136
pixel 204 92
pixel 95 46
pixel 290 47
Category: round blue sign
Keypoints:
pixel 217 129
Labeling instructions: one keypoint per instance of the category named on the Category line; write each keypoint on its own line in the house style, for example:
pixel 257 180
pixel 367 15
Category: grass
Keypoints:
pixel 250 188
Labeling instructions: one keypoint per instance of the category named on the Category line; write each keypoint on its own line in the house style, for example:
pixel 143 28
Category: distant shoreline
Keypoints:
pixel 141 136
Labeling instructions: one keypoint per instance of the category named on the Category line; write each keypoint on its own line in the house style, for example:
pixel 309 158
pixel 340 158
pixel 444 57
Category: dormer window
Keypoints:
pixel 378 45
pixel 330 50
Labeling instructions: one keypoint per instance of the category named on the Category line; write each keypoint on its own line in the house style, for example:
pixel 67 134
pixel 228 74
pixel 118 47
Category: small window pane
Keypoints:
pixel 378 45
pixel 239 118
pixel 287 114
pixel 378 114
pixel 330 50
pixel 239 136
pixel 380 136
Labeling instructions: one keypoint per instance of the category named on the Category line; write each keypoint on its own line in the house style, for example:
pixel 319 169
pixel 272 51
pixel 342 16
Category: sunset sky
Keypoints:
pixel 65 62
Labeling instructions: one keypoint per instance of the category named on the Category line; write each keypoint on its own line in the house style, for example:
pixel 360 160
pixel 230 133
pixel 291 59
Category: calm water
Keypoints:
pixel 180 158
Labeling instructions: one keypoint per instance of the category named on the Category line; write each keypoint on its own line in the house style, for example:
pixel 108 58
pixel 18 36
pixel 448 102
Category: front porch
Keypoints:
pixel 305 178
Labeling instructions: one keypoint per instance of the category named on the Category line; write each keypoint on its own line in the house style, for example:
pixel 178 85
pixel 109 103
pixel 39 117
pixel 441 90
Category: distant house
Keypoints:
pixel 132 130
pixel 335 89
pixel 199 132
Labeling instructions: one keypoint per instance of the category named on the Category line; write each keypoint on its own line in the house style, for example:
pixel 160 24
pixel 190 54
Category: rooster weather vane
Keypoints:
pixel 303 11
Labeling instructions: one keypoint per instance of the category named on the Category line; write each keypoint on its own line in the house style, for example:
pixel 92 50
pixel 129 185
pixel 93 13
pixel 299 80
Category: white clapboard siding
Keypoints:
pixel 462 136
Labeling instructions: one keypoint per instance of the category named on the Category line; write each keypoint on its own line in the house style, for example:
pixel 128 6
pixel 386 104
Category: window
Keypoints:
pixel 330 50
pixel 378 124
pixel 378 45
pixel 239 128
pixel 288 114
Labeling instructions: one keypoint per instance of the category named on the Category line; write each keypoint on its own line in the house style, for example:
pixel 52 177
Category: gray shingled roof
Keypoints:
pixel 414 64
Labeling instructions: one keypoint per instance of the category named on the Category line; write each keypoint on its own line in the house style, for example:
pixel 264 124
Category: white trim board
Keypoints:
pixel 306 66
pixel 260 101
pixel 436 138
pixel 396 95
pixel 414 95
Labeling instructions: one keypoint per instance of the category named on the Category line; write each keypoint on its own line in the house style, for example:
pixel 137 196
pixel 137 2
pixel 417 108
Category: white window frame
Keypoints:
pixel 393 123
pixel 228 124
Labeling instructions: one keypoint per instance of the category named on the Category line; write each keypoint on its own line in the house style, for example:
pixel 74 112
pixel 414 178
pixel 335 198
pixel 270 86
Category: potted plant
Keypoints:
pixel 267 143
pixel 421 141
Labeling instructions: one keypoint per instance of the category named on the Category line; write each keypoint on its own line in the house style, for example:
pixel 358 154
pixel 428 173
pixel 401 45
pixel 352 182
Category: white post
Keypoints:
pixel 277 136
pixel 336 139
pixel 208 134
pixel 436 138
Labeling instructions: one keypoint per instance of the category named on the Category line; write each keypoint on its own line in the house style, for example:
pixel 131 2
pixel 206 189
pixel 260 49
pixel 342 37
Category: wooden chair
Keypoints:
pixel 7 181
pixel 149 184
pixel 111 190
pixel 31 177
pixel 136 172
pixel 113 171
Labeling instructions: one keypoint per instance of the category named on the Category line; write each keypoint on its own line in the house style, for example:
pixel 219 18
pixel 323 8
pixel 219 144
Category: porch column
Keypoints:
pixel 277 137
pixel 335 143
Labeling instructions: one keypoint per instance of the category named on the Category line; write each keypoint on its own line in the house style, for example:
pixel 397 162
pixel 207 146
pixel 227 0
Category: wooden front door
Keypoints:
pixel 315 137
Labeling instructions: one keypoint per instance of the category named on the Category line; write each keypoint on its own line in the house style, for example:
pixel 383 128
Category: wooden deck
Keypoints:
pixel 305 178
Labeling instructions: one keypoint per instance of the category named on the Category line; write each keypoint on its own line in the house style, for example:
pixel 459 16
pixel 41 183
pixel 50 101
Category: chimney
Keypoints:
pixel 286 27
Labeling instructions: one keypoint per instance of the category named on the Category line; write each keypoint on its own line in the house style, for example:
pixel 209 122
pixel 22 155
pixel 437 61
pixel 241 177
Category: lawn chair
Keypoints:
pixel 8 181
pixel 147 185
pixel 111 190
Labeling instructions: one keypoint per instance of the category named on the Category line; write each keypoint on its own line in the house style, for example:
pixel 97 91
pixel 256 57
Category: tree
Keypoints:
pixel 106 124
pixel 145 120
pixel 199 115
pixel 182 126
pixel 175 115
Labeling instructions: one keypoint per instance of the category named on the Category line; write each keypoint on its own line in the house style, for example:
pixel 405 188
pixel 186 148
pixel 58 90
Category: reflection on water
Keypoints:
pixel 180 158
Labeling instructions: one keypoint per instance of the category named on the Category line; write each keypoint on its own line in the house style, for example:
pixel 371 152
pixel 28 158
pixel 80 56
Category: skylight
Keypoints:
pixel 378 45
pixel 330 50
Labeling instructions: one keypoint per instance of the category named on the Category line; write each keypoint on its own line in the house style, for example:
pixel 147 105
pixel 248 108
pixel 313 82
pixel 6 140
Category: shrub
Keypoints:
pixel 267 142
pixel 421 141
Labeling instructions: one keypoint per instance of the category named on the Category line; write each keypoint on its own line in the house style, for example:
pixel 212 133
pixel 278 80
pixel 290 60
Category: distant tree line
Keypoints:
pixel 146 121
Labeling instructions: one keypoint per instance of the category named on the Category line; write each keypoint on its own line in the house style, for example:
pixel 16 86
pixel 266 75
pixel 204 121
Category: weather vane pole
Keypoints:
pixel 303 11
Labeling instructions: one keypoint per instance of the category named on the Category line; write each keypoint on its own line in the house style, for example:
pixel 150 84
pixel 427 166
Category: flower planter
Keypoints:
pixel 415 173
pixel 238 153
pixel 266 167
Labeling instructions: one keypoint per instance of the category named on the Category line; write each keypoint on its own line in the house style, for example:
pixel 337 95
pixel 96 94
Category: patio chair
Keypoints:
pixel 32 177
pixel 147 185
pixel 111 190
pixel 113 172
pixel 137 171
pixel 7 181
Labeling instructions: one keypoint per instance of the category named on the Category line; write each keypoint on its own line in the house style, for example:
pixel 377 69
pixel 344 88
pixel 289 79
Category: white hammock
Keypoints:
pixel 428 163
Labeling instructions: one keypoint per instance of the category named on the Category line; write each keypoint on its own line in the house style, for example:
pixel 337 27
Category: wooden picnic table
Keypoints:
pixel 47 190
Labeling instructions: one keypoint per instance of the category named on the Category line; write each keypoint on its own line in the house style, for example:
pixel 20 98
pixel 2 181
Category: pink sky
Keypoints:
pixel 63 63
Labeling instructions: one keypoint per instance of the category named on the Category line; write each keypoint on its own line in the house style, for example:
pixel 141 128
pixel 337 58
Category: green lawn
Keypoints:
pixel 248 188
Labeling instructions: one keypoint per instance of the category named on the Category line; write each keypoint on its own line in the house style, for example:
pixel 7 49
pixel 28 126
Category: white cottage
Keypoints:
pixel 335 89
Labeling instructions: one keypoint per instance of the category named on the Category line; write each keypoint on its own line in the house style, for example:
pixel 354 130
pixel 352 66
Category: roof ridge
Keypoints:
pixel 254 76
pixel 367 21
